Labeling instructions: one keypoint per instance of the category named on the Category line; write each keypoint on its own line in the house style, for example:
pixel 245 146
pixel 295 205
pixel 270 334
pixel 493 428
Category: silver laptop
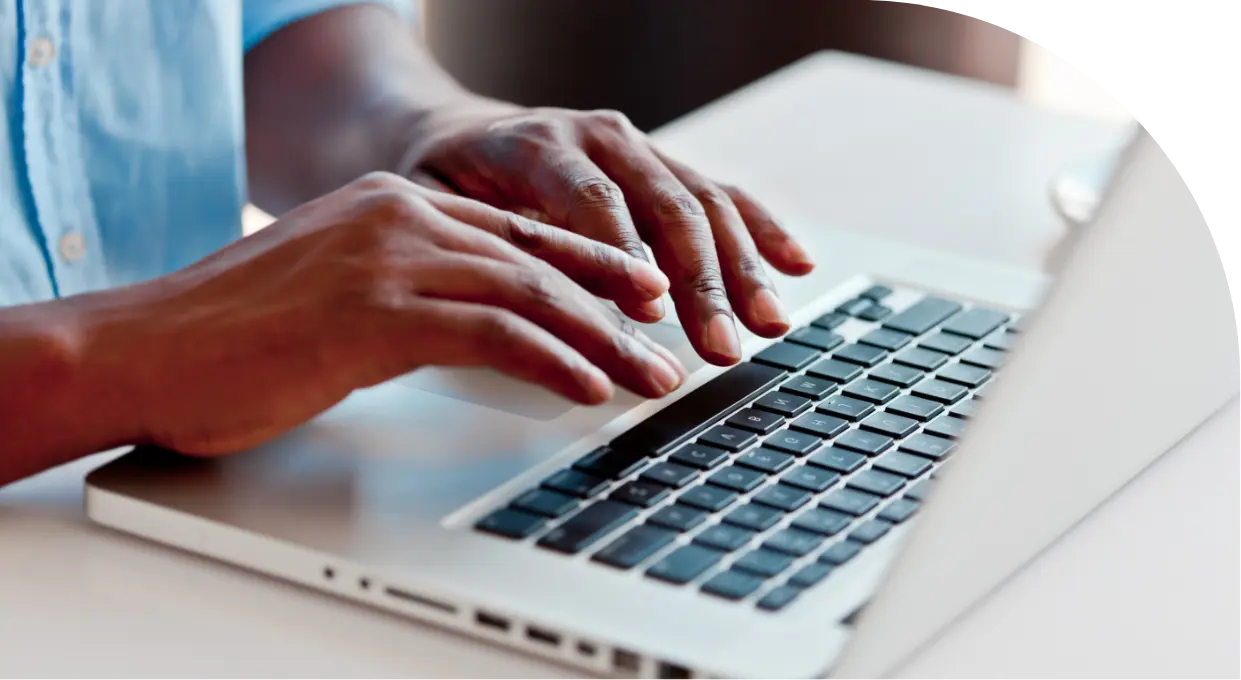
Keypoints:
pixel 757 522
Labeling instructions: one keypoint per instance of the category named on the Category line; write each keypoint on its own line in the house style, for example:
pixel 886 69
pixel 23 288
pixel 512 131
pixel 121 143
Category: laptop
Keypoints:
pixel 827 506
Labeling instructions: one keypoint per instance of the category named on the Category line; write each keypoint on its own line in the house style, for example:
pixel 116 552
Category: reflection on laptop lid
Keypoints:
pixel 1140 309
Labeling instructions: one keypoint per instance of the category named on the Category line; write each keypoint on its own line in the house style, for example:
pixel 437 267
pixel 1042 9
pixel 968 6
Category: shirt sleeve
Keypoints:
pixel 261 18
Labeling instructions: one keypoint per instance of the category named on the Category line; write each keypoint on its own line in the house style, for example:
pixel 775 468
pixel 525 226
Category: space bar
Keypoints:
pixel 692 413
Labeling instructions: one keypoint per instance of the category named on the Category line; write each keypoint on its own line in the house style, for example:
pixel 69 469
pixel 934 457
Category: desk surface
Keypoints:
pixel 1145 586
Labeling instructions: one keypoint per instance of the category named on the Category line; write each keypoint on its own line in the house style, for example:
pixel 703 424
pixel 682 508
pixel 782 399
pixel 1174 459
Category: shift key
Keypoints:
pixel 588 526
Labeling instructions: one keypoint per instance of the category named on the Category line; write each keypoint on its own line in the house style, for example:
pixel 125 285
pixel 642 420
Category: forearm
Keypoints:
pixel 326 97
pixel 57 400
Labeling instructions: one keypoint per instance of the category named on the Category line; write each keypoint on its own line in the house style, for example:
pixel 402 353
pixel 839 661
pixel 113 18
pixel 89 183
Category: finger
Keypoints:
pixel 749 289
pixel 677 228
pixel 546 297
pixel 426 179
pixel 599 268
pixel 574 193
pixel 774 242
pixel 447 333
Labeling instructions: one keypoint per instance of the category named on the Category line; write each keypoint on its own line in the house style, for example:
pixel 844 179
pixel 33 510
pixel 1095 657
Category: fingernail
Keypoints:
pixel 722 336
pixel 794 252
pixel 769 309
pixel 662 375
pixel 598 385
pixel 648 279
pixel 672 361
pixel 653 308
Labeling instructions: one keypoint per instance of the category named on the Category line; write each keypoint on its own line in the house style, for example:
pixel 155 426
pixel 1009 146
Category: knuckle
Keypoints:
pixel 597 192
pixel 611 119
pixel 706 281
pixel 539 288
pixel 678 206
pixel 712 198
pixel 380 181
pixel 750 266
pixel 523 233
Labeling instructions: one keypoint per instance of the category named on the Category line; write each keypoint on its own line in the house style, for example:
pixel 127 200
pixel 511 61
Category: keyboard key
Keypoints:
pixel 946 343
pixel 860 354
pixel 811 388
pixel 875 312
pixel 869 443
pixel 765 563
pixel 916 407
pixel 923 315
pixel 779 598
pixel 903 376
pixel 732 585
pixel 986 358
pixel 699 456
pixel 870 531
pixel 684 564
pixel 920 491
pixel 755 420
pixel 575 483
pixel 871 390
pixel 982 391
pixel 965 409
pixel 670 474
pixel 839 371
pixel 975 323
pixel 939 390
pixel 783 497
pixel 820 425
pixel 787 355
pixel 737 478
pixel 890 424
pixel 634 546
pixel 946 426
pixel 791 441
pixel 707 497
pixel 840 553
pixel 544 502
pixel 663 431
pixel 902 464
pixel 728 438
pixel 766 460
pixel 611 463
pixel 884 338
pixel 876 293
pixel 677 517
pixel 754 517
pixel 830 320
pixel 588 526
pixel 876 482
pixel 818 338
pixel 810 574
pixel 1003 341
pixel 511 523
pixel 899 510
pixel 926 445
pixel 1020 324
pixel 793 542
pixel 837 459
pixel 785 404
pixel 641 494
pixel 846 407
pixel 921 358
pixel 852 307
pixel 963 374
pixel 850 501
pixel 724 537
pixel 823 521
pixel 810 477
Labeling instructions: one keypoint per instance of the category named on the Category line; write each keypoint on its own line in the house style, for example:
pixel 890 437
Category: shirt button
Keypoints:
pixel 72 246
pixel 41 51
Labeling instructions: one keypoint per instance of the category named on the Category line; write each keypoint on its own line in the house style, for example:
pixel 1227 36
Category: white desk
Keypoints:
pixel 1146 586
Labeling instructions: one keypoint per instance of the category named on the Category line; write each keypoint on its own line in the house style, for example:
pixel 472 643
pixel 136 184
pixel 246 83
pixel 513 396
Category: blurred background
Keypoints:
pixel 659 59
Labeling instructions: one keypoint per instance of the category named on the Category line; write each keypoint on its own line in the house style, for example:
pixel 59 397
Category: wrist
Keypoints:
pixel 416 131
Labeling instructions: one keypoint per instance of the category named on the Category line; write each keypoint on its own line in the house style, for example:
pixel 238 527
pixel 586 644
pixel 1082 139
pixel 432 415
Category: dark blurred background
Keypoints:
pixel 658 59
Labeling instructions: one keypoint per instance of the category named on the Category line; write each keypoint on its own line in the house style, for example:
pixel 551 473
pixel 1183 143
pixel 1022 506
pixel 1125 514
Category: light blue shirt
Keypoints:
pixel 125 129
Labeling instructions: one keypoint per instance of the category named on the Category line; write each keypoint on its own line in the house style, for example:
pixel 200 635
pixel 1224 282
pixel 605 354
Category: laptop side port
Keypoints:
pixel 493 621
pixel 543 636
pixel 626 662
pixel 671 670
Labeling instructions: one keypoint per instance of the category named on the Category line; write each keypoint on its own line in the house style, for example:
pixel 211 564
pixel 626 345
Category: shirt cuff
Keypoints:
pixel 261 18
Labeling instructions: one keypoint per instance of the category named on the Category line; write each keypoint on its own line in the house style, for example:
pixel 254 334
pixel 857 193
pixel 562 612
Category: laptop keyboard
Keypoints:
pixel 756 485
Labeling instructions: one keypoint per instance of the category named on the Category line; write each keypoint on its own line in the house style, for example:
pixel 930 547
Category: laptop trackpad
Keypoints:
pixel 485 387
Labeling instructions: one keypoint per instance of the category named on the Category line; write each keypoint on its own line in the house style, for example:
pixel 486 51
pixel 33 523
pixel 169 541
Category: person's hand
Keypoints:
pixel 597 175
pixel 365 284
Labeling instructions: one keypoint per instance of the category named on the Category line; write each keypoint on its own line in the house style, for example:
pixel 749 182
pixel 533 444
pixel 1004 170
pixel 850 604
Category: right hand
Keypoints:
pixel 362 285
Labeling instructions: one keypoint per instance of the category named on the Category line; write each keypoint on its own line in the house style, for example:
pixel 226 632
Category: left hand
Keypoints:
pixel 594 173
